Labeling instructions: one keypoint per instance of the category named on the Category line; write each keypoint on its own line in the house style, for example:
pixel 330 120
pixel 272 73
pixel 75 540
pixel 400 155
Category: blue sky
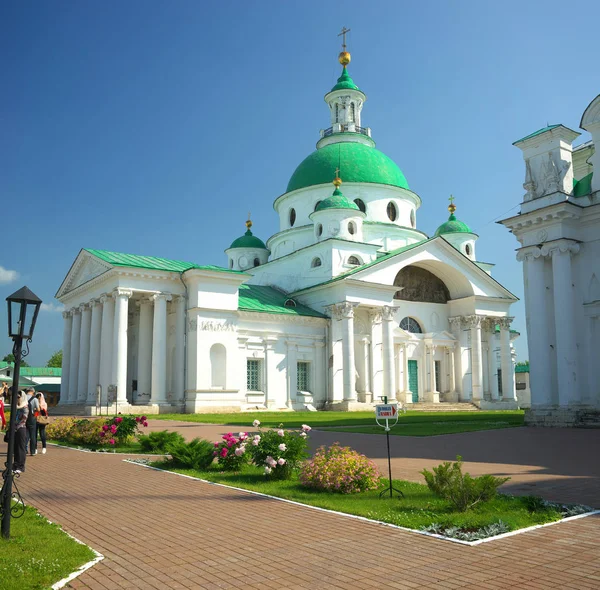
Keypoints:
pixel 153 127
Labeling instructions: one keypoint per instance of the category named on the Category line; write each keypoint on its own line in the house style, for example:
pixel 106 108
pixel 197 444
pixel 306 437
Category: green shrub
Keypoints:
pixel 86 432
pixel 60 428
pixel 157 442
pixel 230 451
pixel 463 491
pixel 197 454
pixel 339 469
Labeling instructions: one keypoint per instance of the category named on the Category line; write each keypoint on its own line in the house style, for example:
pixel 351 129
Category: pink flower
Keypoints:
pixel 306 428
pixel 256 423
pixel 113 429
pixel 282 447
pixel 223 452
pixel 144 418
pixel 138 419
pixel 105 427
pixel 239 451
pixel 268 469
pixel 215 453
pixel 102 434
pixel 281 433
pixel 270 461
pixel 112 441
pixel 145 424
pixel 281 461
pixel 118 420
pixel 303 434
pixel 230 443
pixel 217 443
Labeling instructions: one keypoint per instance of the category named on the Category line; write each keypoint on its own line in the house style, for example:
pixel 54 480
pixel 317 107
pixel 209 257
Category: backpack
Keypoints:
pixel 31 416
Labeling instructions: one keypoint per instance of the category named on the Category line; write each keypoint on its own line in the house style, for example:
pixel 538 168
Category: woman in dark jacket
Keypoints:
pixel 21 433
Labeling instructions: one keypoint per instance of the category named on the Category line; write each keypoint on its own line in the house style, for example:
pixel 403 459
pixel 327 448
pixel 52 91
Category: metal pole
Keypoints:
pixel 8 477
pixel 387 436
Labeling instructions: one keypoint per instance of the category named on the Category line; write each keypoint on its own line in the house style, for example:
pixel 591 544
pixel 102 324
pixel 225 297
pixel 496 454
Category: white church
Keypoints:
pixel 346 303
pixel 558 229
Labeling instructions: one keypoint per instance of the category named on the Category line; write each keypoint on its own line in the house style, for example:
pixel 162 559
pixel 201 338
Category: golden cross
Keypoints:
pixel 343 35
pixel 337 172
pixel 451 199
pixel 248 215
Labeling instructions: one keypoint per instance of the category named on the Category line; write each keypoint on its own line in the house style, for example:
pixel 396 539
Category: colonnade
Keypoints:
pixel 96 341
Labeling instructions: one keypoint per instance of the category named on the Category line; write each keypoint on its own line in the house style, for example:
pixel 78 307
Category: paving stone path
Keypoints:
pixel 159 530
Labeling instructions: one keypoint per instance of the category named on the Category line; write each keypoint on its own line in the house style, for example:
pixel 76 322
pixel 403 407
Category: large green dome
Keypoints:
pixel 357 163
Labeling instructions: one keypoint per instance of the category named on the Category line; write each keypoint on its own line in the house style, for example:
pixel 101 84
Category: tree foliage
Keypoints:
pixel 55 360
pixel 10 358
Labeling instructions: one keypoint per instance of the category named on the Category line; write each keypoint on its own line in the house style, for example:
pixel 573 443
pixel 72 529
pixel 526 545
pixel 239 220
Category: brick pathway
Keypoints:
pixel 158 530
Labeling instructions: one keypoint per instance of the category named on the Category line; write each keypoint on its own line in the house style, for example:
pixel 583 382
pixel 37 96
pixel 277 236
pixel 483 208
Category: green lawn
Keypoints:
pixel 419 507
pixel 38 554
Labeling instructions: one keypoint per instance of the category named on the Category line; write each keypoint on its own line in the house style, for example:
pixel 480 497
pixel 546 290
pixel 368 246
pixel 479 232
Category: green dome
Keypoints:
pixel 248 241
pixel 357 163
pixel 345 82
pixel 337 201
pixel 453 226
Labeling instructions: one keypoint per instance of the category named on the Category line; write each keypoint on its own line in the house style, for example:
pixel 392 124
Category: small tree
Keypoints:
pixel 55 360
pixel 10 358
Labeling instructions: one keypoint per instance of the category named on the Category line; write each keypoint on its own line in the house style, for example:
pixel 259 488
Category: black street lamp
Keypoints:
pixel 23 309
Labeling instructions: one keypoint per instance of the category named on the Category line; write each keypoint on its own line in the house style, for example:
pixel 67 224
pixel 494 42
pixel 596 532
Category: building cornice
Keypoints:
pixel 282 318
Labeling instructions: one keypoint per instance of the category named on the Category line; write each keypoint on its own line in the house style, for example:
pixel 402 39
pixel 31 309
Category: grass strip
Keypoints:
pixel 429 428
pixel 38 553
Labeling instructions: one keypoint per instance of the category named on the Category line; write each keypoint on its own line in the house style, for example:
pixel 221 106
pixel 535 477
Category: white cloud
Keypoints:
pixel 52 307
pixel 7 276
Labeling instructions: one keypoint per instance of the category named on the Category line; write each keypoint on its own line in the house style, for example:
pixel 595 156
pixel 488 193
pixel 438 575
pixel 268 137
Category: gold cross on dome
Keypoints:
pixel 451 199
pixel 343 35
pixel 337 172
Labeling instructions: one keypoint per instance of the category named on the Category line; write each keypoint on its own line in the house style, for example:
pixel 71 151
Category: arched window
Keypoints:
pixel 354 261
pixel 218 366
pixel 468 250
pixel 315 262
pixel 392 212
pixel 231 264
pixel 337 113
pixel 289 303
pixel 351 228
pixel 352 113
pixel 411 325
pixel 316 205
pixel 418 284
pixel 319 230
pixel 412 218
pixel 361 205
pixel 256 262
pixel 292 217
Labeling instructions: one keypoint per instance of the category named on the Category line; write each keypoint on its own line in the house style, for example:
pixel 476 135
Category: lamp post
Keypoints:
pixel 23 309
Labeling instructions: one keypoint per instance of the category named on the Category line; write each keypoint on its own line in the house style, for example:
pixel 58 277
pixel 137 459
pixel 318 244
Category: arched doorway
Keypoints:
pixel 418 284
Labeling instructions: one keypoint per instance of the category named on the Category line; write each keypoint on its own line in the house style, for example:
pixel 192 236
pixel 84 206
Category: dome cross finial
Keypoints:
pixel 344 56
pixel 337 181
pixel 452 206
pixel 248 222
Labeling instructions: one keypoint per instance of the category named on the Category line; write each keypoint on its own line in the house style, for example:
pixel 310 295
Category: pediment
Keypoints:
pixel 85 268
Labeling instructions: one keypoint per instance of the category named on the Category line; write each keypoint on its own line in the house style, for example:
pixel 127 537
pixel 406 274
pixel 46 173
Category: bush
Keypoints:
pixel 231 451
pixel 157 442
pixel 462 491
pixel 339 469
pixel 86 432
pixel 60 428
pixel 279 451
pixel 121 430
pixel 197 454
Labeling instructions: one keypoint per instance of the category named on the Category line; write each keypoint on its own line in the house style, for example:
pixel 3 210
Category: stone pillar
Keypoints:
pixel 491 360
pixel 405 381
pixel 508 374
pixel 106 344
pixel 564 319
pixel 389 385
pixel 376 377
pixel 159 349
pixel 346 309
pixel 64 383
pixel 144 372
pixel 456 329
pixel 451 370
pixel 320 380
pixel 179 368
pixel 74 364
pixel 476 361
pixel 94 364
pixel 84 353
pixel 270 363
pixel 292 373
pixel 121 297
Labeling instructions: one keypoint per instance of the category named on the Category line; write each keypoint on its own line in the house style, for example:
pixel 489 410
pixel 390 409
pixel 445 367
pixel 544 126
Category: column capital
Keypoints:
pixel 94 301
pixel 118 292
pixel 105 297
pixel 505 322
pixel 84 306
pixel 67 314
pixel 388 312
pixel 161 297
pixel 342 310
pixel 375 316
pixel 474 321
pixel 75 310
pixel 178 299
pixel 455 322
pixel 560 247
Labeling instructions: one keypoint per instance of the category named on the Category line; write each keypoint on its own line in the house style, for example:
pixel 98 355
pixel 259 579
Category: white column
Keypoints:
pixel 406 383
pixel 74 364
pixel 346 308
pixel 376 378
pixel 179 368
pixel 476 364
pixel 485 362
pixel 456 329
pixel 434 383
pixel 319 378
pixel 389 385
pixel 159 349
pixel 66 359
pixel 508 375
pixel 564 320
pixel 491 359
pixel 106 343
pixel 451 370
pixel 292 373
pixel 144 373
pixel 94 364
pixel 121 297
pixel 84 352
pixel 270 368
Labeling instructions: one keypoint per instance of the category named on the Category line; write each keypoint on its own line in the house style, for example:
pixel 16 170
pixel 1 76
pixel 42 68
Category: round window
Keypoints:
pixel 354 261
pixel 412 218
pixel 316 262
pixel 468 250
pixel 351 228
pixel 256 262
pixel 319 229
pixel 392 212
pixel 292 217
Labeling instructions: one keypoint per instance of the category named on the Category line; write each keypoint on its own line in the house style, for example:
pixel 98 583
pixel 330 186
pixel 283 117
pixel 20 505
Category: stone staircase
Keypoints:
pixel 588 419
pixel 442 407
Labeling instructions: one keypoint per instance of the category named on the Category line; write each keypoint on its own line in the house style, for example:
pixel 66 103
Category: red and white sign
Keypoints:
pixel 386 411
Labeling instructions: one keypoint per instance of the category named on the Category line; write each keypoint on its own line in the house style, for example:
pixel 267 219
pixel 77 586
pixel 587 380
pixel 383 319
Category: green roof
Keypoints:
pixel 522 368
pixel 345 82
pixel 357 163
pixel 152 262
pixel 34 371
pixel 583 186
pixel 497 330
pixel 538 132
pixel 337 201
pixel 265 299
pixel 248 241
pixel 453 226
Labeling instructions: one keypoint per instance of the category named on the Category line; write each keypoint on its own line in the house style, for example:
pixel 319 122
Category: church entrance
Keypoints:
pixel 413 380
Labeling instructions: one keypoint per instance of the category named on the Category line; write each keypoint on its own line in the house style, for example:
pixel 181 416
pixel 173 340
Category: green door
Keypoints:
pixel 413 380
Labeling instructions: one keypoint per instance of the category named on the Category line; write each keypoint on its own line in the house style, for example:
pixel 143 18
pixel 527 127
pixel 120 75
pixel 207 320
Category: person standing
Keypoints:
pixel 2 415
pixel 34 409
pixel 21 433
pixel 42 420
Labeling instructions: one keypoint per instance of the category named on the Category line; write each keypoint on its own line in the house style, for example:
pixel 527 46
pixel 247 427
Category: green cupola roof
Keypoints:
pixel 337 201
pixel 345 82
pixel 453 225
pixel 248 240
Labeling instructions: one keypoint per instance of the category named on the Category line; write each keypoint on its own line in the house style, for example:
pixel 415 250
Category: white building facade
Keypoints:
pixel 346 303
pixel 558 230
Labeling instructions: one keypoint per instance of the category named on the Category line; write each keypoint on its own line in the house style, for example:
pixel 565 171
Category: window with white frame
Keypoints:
pixel 303 376
pixel 254 375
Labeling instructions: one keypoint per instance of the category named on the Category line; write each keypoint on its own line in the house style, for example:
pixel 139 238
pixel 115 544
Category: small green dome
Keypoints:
pixel 357 162
pixel 453 226
pixel 345 82
pixel 337 201
pixel 248 241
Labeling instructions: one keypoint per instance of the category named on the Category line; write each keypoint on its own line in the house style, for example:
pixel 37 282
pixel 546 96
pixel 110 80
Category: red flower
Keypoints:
pixel 145 423
pixel 118 420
